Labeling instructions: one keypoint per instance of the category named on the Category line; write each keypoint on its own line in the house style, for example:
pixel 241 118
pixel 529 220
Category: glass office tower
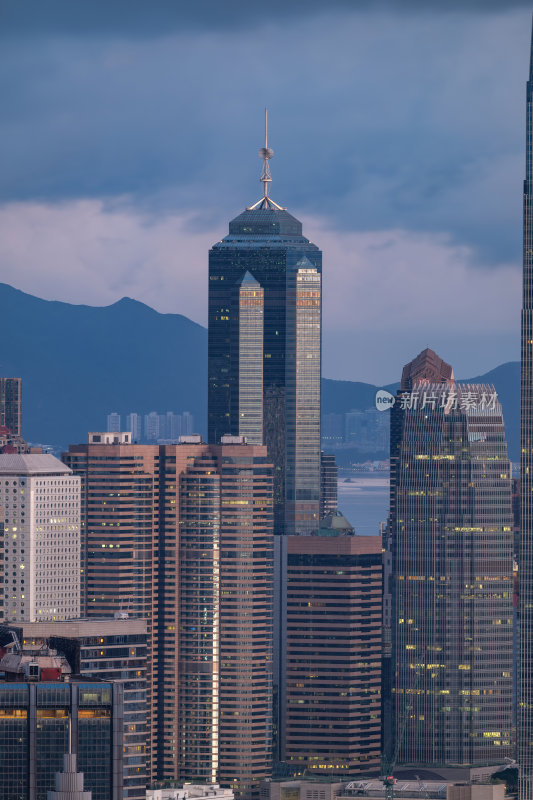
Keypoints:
pixel 265 244
pixel 37 718
pixel 452 571
pixel 525 688
pixel 250 360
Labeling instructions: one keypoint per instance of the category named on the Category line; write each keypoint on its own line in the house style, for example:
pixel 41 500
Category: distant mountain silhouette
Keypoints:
pixel 341 396
pixel 78 363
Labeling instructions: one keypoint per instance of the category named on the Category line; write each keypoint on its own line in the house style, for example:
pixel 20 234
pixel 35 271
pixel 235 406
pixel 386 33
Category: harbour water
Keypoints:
pixel 364 500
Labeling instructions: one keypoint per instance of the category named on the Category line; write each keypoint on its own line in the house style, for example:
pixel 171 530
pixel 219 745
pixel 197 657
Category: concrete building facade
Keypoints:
pixel 41 541
pixel 332 722
pixel 181 535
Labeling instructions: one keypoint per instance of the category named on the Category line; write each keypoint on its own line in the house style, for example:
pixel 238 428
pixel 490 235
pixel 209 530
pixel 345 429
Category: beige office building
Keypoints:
pixel 41 540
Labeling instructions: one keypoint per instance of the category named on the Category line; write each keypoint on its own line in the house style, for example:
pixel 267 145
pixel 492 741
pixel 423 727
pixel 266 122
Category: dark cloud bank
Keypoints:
pixel 139 18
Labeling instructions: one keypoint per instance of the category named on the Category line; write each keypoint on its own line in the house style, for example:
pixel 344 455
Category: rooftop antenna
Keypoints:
pixel 266 153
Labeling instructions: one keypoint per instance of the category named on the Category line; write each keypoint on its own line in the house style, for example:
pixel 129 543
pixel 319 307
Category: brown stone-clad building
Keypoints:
pixel 182 535
pixel 120 539
pixel 333 666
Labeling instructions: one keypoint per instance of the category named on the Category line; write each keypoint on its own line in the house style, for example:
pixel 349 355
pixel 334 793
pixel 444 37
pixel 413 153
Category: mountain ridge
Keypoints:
pixel 80 362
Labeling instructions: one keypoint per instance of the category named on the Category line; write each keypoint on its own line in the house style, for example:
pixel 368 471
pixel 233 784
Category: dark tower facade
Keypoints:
pixel 525 688
pixel 265 253
pixel 452 571
pixel 10 404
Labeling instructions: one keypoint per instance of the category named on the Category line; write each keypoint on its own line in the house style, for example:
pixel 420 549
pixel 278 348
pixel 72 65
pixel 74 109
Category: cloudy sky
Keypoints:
pixel 130 132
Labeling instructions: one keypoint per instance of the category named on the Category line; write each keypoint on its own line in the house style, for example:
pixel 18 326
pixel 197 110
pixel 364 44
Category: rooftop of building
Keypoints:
pixel 335 525
pixel 88 626
pixel 427 366
pixel 32 464
pixel 47 663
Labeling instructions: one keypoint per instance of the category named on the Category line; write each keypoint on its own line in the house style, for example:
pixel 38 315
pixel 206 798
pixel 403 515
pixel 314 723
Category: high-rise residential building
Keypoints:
pixel 120 541
pixel 525 689
pixel 266 275
pixel 332 723
pixel 10 404
pixel 182 536
pixel 114 424
pixel 170 426
pixel 134 424
pixel 45 713
pixel 187 424
pixel 151 426
pixel 41 539
pixel 332 429
pixel 451 535
pixel 223 597
pixel 329 475
pixel 111 649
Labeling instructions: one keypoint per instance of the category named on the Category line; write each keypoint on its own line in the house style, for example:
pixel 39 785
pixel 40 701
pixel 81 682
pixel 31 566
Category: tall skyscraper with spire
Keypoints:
pixel 525 688
pixel 265 349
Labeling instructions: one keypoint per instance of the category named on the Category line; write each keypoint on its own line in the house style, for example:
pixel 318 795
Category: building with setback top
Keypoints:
pixel 451 539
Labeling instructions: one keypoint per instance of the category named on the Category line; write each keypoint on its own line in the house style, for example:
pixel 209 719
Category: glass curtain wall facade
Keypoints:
pixel 10 404
pixel 268 243
pixel 303 395
pixel 111 650
pixel 250 359
pixel 452 576
pixel 525 688
pixel 34 736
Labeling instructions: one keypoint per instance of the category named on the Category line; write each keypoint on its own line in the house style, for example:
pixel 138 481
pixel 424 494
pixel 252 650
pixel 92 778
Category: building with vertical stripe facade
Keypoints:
pixel 525 675
pixel 451 536
pixel 11 404
pixel 41 540
pixel 182 535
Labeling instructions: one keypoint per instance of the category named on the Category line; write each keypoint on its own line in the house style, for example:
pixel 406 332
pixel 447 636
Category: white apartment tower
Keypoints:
pixel 40 498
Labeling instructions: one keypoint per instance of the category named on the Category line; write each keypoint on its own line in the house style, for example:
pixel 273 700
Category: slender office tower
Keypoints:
pixel 452 571
pixel 265 257
pixel 250 332
pixel 10 404
pixel 525 690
